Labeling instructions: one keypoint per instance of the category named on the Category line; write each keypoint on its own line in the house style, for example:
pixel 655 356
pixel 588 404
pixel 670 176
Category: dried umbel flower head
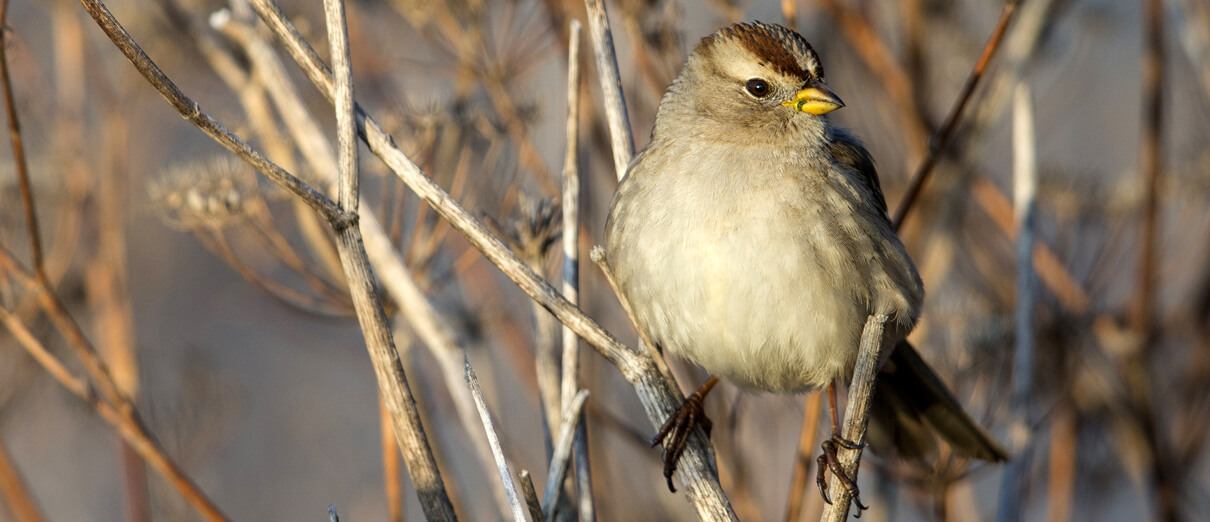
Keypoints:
pixel 534 229
pixel 209 194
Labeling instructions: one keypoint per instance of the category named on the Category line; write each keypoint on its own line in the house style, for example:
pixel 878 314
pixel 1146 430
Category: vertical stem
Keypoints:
pixel 392 382
pixel 856 416
pixel 812 412
pixel 611 85
pixel 21 166
pixel 1014 487
pixel 571 270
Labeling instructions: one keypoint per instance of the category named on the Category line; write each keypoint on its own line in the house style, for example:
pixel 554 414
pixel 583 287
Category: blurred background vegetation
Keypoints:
pixel 221 308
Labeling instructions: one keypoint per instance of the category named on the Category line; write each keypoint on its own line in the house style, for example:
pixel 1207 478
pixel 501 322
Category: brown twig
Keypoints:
pixel 943 135
pixel 122 416
pixel 812 412
pixel 22 169
pixel 14 491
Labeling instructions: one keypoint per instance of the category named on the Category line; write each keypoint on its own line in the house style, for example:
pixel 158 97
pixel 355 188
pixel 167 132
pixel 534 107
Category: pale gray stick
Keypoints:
pixel 571 269
pixel 611 85
pixel 408 430
pixel 658 396
pixel 398 397
pixel 856 416
pixel 1014 484
pixel 433 329
pixel 558 462
pixel 531 497
pixel 506 476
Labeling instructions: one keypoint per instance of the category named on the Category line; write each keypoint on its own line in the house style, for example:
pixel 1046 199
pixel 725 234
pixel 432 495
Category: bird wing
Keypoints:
pixel 847 150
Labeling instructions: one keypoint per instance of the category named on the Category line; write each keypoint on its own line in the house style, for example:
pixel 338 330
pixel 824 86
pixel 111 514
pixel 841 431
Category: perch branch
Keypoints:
pixel 856 416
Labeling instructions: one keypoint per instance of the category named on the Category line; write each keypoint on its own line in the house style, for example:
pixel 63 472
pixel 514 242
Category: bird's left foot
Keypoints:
pixel 675 432
pixel 828 460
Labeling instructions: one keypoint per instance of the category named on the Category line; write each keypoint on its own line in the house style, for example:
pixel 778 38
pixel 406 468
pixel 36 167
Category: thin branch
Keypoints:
pixel 123 418
pixel 943 135
pixel 192 112
pixel 812 412
pixel 409 431
pixel 857 415
pixel 506 476
pixel 571 269
pixel 1014 485
pixel 14 490
pixel 562 455
pixel 611 85
pixel 531 497
pixel 22 169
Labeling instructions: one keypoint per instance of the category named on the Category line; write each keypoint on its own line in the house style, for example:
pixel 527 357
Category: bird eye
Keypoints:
pixel 758 87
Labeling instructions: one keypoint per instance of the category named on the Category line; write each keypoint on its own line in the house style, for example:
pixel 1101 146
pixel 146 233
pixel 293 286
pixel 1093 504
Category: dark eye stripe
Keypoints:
pixel 758 87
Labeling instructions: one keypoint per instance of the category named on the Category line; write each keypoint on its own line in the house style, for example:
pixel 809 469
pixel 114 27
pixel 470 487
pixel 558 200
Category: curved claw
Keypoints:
pixel 676 430
pixel 829 461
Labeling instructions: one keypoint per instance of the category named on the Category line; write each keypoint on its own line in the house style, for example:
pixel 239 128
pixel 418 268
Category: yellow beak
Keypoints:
pixel 816 98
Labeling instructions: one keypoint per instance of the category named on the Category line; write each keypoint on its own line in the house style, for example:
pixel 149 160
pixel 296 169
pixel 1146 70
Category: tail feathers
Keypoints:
pixel 911 406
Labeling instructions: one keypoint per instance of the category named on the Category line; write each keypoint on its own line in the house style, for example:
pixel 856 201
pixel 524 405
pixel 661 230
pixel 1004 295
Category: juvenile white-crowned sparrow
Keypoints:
pixel 751 237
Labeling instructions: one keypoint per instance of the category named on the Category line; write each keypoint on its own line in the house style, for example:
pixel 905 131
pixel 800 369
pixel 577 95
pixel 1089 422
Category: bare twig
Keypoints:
pixel 14 491
pixel 391 379
pixel 942 137
pixel 391 484
pixel 571 270
pixel 856 415
pixel 611 85
pixel 562 454
pixel 122 417
pixel 531 497
pixel 22 169
pixel 813 407
pixel 1014 485
pixel 506 476
pixel 190 110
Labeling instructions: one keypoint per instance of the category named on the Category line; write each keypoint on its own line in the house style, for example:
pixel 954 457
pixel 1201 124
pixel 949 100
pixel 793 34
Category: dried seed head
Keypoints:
pixel 210 194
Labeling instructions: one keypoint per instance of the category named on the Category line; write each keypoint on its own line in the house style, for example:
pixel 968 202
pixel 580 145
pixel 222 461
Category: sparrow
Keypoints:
pixel 751 237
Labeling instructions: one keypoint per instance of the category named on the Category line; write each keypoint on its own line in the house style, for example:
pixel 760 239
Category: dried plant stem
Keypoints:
pixel 14 491
pixel 943 135
pixel 391 485
pixel 812 412
pixel 20 165
pixel 562 455
pixel 1014 486
pixel 571 271
pixel 531 497
pixel 123 417
pixel 409 432
pixel 611 85
pixel 658 396
pixel 506 476
pixel 856 416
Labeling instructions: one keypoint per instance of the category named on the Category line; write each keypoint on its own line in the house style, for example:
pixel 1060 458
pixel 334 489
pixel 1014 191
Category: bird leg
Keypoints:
pixel 676 430
pixel 828 460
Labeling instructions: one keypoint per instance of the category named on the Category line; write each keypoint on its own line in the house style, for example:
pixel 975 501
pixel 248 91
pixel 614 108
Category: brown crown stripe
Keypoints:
pixel 777 46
